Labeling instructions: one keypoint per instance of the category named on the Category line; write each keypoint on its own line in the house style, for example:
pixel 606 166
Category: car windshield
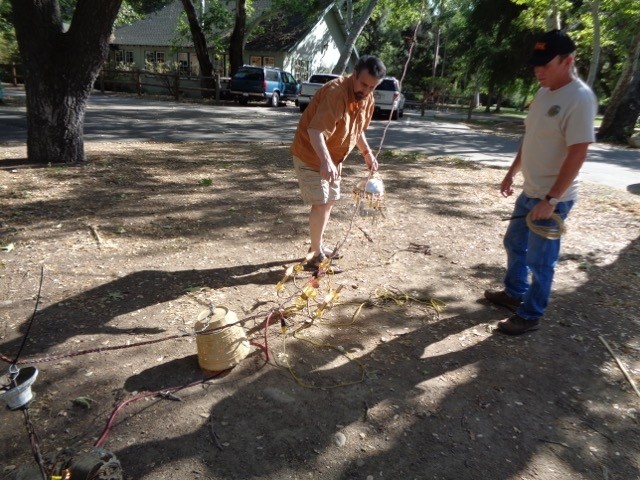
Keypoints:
pixel 249 74
pixel 322 78
pixel 387 85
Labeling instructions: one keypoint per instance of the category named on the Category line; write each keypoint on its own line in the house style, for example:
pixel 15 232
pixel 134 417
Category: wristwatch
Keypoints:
pixel 552 201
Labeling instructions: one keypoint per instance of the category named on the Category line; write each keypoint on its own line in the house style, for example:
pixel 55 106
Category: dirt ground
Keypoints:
pixel 402 378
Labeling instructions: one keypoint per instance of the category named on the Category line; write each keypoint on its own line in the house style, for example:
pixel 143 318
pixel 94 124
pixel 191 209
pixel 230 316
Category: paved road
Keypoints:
pixel 110 117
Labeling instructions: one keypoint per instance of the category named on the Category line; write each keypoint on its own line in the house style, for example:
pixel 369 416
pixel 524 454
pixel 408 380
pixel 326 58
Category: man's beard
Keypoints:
pixel 359 95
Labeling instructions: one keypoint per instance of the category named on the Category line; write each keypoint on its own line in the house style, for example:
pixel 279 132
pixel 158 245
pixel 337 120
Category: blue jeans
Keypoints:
pixel 528 252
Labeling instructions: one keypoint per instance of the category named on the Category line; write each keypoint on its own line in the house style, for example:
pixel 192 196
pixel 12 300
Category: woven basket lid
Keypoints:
pixel 208 319
pixel 224 348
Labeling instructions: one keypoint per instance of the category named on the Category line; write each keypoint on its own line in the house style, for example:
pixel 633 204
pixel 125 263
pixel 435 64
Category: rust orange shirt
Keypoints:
pixel 334 111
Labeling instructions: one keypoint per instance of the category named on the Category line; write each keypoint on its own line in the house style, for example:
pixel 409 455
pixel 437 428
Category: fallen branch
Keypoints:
pixel 214 435
pixel 366 235
pixel 554 442
pixel 622 367
pixel 96 235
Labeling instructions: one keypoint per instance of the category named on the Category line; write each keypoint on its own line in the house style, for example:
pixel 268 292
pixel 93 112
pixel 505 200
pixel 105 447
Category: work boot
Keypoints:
pixel 500 297
pixel 516 325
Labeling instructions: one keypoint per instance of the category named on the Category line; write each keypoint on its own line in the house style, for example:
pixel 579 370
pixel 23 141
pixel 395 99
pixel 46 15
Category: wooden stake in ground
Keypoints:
pixel 622 367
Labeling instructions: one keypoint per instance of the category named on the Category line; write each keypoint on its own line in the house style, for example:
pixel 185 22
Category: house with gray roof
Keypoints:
pixel 300 44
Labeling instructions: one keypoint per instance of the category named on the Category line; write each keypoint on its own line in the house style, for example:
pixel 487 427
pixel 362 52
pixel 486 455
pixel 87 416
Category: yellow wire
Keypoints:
pixel 304 384
pixel 397 296
pixel 382 295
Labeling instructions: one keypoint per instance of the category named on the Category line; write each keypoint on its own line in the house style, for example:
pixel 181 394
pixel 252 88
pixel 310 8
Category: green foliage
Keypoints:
pixel 389 35
pixel 8 43
pixel 127 15
pixel 536 13
pixel 216 23
pixel 154 67
pixel 130 11
pixel 483 44
pixel 147 6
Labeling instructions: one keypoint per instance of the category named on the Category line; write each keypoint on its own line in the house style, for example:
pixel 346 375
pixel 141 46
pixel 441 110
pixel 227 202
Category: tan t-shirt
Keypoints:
pixel 557 119
pixel 334 111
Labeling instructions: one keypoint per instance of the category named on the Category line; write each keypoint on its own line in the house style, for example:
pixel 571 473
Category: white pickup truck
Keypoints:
pixel 311 86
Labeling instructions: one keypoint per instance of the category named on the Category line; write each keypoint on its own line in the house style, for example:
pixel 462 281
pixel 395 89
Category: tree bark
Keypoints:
pixel 238 38
pixel 553 20
pixel 200 45
pixel 618 122
pixel 354 33
pixel 60 69
pixel 595 57
pixel 436 55
pixel 624 117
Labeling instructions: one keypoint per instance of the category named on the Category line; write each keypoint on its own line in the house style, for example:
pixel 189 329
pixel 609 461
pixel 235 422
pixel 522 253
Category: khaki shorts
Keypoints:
pixel 313 188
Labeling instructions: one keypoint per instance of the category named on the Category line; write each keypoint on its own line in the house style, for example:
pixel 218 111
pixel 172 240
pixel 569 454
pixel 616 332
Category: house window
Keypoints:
pixel 154 57
pixel 122 56
pixel 183 63
pixel 258 61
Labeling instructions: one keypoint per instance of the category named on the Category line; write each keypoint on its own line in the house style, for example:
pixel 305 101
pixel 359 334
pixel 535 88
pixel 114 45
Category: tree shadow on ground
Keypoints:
pixel 493 408
pixel 91 311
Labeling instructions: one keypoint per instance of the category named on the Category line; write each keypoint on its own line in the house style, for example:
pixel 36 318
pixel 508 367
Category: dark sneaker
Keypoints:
pixel 516 325
pixel 500 297
pixel 322 263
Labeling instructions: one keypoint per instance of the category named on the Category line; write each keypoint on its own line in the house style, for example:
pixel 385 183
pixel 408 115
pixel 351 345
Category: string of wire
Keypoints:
pixel 108 426
pixel 552 232
pixel 414 40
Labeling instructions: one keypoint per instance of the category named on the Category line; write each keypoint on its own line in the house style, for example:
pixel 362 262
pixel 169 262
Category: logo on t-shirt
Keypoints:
pixel 553 111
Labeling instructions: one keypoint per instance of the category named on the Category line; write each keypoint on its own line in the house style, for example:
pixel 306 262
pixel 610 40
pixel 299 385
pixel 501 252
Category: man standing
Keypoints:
pixel 558 131
pixel 330 127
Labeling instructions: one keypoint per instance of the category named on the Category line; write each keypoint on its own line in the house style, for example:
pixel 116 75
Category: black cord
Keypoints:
pixel 33 316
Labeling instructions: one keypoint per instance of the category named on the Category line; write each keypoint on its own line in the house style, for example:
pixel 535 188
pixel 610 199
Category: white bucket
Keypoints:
pixel 21 394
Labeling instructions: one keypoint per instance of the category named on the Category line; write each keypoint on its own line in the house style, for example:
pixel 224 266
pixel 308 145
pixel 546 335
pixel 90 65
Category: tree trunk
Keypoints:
pixel 525 92
pixel 491 95
pixel 200 45
pixel 625 116
pixel 595 57
pixel 615 123
pixel 553 20
pixel 436 56
pixel 354 33
pixel 498 108
pixel 237 40
pixel 60 69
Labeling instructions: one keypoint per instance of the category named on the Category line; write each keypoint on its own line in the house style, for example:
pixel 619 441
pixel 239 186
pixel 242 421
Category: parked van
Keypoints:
pixel 272 85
